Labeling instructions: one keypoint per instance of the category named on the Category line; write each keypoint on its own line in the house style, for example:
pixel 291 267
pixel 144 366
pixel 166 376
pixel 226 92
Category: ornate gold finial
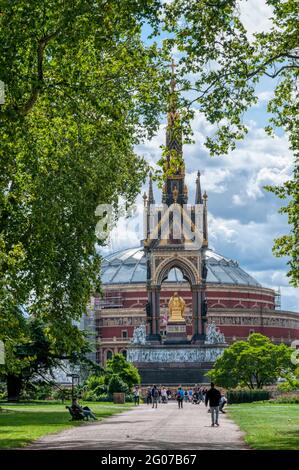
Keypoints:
pixel 175 194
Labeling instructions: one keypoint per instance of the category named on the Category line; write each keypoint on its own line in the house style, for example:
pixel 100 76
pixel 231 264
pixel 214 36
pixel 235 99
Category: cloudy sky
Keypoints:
pixel 243 217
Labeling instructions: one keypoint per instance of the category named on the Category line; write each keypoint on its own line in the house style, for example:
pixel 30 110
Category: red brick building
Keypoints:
pixel 237 303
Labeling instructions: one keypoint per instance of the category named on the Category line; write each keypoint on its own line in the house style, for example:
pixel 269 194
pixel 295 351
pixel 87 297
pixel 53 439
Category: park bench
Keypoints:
pixel 76 415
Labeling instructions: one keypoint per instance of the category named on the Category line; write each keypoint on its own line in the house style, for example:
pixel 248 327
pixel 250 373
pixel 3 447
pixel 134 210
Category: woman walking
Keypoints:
pixel 180 397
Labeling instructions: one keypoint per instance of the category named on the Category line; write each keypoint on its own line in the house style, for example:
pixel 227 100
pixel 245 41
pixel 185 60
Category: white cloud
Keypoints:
pixel 213 181
pixel 265 95
pixel 264 177
pixel 255 16
pixel 238 201
pixel 243 217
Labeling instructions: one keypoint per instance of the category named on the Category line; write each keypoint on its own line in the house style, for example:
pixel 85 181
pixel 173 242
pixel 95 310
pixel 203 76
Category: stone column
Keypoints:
pixel 197 329
pixel 154 317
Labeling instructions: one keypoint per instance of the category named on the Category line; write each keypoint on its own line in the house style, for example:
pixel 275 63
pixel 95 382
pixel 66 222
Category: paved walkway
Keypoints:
pixel 165 428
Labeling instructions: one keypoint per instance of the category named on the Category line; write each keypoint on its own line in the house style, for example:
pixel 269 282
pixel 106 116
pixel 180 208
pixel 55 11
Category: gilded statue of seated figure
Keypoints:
pixel 176 307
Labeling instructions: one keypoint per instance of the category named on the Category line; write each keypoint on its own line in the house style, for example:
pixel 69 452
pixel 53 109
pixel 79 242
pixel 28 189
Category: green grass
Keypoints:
pixel 23 423
pixel 268 425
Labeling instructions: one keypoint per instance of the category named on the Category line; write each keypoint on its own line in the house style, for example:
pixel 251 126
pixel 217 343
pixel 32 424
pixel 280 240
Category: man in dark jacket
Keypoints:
pixel 213 398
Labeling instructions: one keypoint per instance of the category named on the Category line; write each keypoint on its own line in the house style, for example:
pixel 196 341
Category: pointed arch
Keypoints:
pixel 186 267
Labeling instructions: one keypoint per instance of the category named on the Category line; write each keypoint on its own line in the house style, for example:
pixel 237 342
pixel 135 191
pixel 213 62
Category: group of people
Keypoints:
pixel 212 397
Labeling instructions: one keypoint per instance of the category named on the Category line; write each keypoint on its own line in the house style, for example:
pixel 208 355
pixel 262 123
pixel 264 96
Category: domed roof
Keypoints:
pixel 129 267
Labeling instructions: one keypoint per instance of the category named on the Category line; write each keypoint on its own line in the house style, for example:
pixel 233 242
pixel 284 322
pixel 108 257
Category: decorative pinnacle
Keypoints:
pixel 198 197
pixel 151 199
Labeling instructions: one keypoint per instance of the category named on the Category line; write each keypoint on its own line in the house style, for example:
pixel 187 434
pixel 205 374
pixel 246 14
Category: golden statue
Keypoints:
pixel 176 306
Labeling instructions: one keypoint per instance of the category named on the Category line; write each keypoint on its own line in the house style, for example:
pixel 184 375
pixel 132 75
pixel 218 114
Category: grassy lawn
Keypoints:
pixel 268 425
pixel 24 423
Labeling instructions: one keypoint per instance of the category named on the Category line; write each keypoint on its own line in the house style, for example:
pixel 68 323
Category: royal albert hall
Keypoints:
pixel 234 300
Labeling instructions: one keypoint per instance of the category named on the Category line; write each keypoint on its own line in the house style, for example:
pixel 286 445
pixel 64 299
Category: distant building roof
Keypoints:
pixel 129 267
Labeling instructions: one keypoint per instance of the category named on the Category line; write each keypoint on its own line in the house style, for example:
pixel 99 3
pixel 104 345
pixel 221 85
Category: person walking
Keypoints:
pixel 136 395
pixel 164 395
pixel 213 398
pixel 190 394
pixel 155 396
pixel 180 397
pixel 149 396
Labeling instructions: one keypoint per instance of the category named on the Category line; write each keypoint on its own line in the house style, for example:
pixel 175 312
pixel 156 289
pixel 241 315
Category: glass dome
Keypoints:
pixel 129 267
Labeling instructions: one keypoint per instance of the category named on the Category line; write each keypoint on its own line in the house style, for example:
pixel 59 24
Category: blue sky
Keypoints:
pixel 243 217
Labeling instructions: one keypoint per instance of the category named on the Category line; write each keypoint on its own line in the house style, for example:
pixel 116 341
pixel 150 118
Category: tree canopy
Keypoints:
pixel 219 69
pixel 81 89
pixel 253 363
pixel 118 366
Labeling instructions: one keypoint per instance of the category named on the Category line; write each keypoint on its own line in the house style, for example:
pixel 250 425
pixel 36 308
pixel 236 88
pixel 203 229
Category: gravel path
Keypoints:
pixel 165 428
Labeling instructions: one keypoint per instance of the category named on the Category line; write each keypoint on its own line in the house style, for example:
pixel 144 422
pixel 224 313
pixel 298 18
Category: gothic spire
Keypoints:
pixel 151 199
pixel 198 196
pixel 174 130
pixel 205 219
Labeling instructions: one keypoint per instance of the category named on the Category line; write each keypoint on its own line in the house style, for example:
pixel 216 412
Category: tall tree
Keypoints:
pixel 81 89
pixel 225 68
pixel 253 363
pixel 38 353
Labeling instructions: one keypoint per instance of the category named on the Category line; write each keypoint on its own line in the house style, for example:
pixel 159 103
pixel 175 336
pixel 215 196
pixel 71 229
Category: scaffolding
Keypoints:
pixel 110 299
pixel 278 299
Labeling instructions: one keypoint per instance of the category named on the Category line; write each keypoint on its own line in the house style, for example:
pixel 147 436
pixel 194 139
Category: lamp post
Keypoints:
pixel 75 381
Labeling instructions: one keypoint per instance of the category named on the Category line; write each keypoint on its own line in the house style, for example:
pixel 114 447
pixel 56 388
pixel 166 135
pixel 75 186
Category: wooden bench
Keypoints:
pixel 76 415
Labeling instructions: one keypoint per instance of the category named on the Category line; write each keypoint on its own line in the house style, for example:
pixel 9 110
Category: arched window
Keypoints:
pixel 124 353
pixel 109 355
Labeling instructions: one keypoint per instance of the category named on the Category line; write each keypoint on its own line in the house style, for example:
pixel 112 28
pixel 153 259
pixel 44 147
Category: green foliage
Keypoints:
pixel 289 385
pixel 38 354
pixel 117 385
pixel 37 391
pixel 124 369
pixel 247 396
pixel 81 90
pixel 253 363
pixel 220 69
pixel 62 393
pixel 292 399
pixel 94 388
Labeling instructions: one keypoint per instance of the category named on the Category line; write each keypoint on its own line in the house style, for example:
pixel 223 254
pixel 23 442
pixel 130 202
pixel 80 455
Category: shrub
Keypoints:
pixel 105 397
pixel 116 385
pixel 94 388
pixel 291 399
pixel 62 394
pixel 37 391
pixel 289 386
pixel 247 396
pixel 129 398
pixel 124 369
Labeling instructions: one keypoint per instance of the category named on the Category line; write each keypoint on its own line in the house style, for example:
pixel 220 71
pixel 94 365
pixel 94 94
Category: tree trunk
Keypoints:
pixel 14 387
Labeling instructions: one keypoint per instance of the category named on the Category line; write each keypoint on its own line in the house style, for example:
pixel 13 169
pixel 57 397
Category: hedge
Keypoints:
pixel 247 396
